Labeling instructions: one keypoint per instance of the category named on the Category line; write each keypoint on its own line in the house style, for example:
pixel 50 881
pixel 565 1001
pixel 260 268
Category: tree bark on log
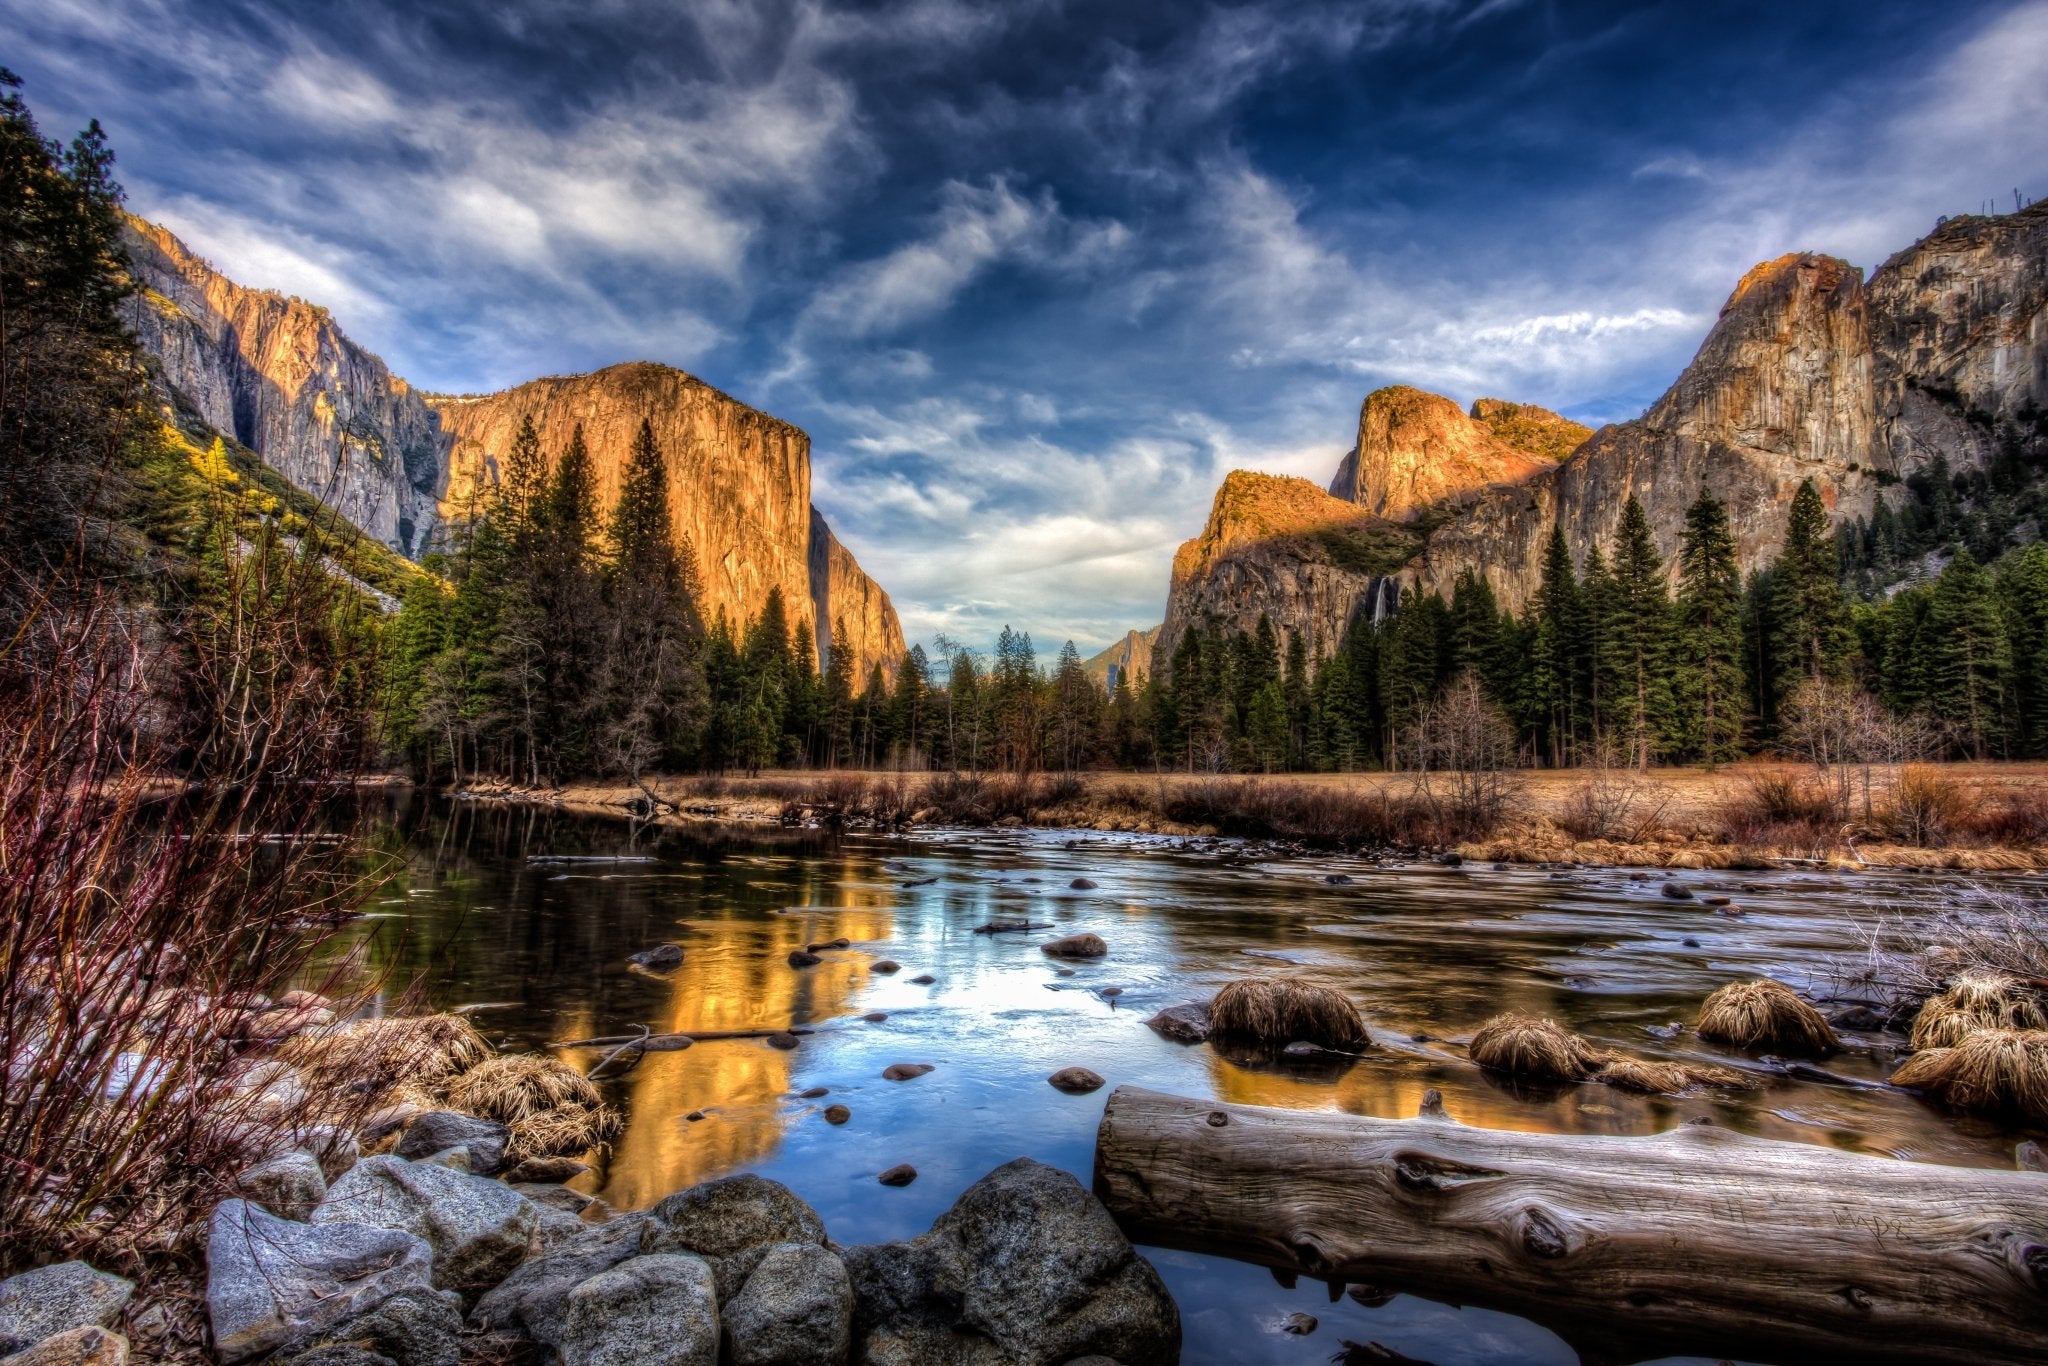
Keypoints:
pixel 1699 1240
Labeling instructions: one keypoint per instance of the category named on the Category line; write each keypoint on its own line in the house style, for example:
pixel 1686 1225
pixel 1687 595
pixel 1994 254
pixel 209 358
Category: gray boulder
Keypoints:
pixel 731 1223
pixel 529 1304
pixel 91 1346
pixel 289 1185
pixel 439 1130
pixel 656 1310
pixel 479 1230
pixel 1026 1262
pixel 271 1282
pixel 1187 1023
pixel 412 1328
pixel 55 1299
pixel 796 1309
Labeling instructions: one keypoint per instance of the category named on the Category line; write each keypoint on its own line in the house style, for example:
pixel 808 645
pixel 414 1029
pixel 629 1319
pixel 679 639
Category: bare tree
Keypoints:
pixel 1462 750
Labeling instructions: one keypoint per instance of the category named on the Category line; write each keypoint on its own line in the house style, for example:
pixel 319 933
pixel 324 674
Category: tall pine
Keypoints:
pixel 1708 682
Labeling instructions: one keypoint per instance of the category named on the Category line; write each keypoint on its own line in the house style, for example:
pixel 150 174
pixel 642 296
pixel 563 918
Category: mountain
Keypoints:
pixel 277 375
pixel 1416 450
pixel 1280 547
pixel 1809 373
pixel 1130 658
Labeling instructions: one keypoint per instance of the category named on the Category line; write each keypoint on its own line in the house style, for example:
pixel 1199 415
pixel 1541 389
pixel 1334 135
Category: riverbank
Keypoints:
pixel 1963 816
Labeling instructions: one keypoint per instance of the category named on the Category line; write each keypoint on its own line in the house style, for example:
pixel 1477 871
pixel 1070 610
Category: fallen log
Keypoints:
pixel 1699 1240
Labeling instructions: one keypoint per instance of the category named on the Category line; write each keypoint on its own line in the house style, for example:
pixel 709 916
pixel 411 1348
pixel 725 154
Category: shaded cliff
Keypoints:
pixel 739 489
pixel 1280 547
pixel 1417 450
pixel 1129 658
pixel 277 375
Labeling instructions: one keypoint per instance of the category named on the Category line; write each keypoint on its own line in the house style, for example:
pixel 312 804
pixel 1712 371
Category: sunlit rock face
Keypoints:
pixel 277 375
pixel 1417 450
pixel 739 490
pixel 1279 547
pixel 1809 373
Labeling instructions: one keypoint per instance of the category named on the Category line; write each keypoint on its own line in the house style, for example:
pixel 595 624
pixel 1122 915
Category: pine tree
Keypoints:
pixel 1809 627
pixel 837 704
pixel 1074 707
pixel 1642 635
pixel 1603 676
pixel 1556 650
pixel 1709 678
pixel 1969 659
pixel 2023 596
pixel 656 696
pixel 1295 689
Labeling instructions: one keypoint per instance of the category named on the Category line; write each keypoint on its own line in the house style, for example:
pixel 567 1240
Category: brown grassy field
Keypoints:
pixel 1963 815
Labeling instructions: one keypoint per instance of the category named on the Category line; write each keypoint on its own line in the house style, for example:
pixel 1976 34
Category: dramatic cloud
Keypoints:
pixel 1036 275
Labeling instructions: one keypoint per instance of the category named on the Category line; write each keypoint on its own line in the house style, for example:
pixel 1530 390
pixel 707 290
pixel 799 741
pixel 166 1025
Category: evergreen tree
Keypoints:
pixel 1709 678
pixel 1603 677
pixel 837 708
pixel 2023 596
pixel 1809 621
pixel 1969 659
pixel 1642 623
pixel 656 694
pixel 1557 648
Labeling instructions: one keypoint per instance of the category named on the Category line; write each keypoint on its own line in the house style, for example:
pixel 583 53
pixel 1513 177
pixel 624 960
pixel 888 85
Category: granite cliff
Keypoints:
pixel 1280 547
pixel 1129 658
pixel 1809 373
pixel 277 375
pixel 1417 451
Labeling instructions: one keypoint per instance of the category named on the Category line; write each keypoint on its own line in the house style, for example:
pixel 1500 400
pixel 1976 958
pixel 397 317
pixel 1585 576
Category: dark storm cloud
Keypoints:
pixel 1035 275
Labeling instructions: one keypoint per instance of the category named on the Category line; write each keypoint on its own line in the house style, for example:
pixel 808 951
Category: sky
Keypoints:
pixel 1034 276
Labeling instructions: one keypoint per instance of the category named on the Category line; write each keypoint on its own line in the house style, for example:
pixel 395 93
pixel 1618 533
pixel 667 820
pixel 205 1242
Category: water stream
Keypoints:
pixel 1426 951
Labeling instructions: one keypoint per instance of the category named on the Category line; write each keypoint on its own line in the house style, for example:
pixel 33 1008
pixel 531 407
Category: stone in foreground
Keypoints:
pixel 271 1282
pixel 796 1309
pixel 439 1130
pixel 655 1310
pixel 93 1346
pixel 479 1229
pixel 56 1299
pixel 289 1185
pixel 731 1223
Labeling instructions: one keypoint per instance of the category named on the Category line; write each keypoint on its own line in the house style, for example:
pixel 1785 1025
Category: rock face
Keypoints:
pixel 1416 450
pixel 1809 373
pixel 277 375
pixel 1129 658
pixel 1281 548
pixel 739 490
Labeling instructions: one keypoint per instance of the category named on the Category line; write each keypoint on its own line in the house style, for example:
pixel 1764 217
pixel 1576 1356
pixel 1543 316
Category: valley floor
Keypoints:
pixel 1957 815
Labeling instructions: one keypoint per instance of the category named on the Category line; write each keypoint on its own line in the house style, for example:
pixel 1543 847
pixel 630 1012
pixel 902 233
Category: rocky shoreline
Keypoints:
pixel 332 1258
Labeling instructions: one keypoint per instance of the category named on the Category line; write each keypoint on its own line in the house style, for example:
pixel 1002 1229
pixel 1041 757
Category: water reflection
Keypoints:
pixel 1426 952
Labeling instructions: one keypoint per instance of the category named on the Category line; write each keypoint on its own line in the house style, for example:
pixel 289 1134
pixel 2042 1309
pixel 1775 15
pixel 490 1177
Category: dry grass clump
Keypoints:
pixel 1765 1014
pixel 416 1051
pixel 552 1109
pixel 1992 1071
pixel 1538 1049
pixel 1273 1011
pixel 1533 1047
pixel 1926 808
pixel 1976 1000
pixel 1775 809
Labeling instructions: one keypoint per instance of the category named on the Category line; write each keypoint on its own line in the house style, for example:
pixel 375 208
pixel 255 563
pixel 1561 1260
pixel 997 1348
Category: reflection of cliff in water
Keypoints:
pixel 739 980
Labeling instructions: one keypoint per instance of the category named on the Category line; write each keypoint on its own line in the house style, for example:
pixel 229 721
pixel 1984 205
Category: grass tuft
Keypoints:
pixel 1276 1012
pixel 1765 1014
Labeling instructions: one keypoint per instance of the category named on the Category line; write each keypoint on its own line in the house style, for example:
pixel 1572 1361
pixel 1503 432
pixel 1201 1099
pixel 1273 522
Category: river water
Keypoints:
pixel 1426 951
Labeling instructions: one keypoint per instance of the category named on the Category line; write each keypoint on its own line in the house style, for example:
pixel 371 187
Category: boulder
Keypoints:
pixel 332 1146
pixel 1077 946
pixel 1026 1262
pixel 795 1309
pixel 271 1282
pixel 288 1185
pixel 731 1223
pixel 660 1309
pixel 905 1071
pixel 1187 1023
pixel 479 1229
pixel 413 1328
pixel 529 1304
pixel 90 1346
pixel 55 1299
pixel 439 1130
pixel 1075 1081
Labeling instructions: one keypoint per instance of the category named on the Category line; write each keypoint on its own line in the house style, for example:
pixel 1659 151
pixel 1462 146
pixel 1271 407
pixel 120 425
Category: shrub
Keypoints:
pixel 1926 807
pixel 1773 808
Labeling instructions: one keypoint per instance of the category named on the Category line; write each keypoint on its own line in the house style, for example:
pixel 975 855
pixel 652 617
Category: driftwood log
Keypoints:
pixel 1699 1240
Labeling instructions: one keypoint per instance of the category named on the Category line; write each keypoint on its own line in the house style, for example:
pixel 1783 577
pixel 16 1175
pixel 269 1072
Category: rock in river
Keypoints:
pixel 660 958
pixel 803 958
pixel 1075 1081
pixel 1078 946
pixel 905 1071
pixel 1187 1023
pixel 902 1174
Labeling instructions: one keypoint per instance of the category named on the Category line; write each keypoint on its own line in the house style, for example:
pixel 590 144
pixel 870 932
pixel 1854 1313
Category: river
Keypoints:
pixel 1427 952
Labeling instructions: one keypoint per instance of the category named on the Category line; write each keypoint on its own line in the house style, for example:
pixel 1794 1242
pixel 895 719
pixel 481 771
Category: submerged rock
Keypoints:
pixel 1188 1023
pixel 803 958
pixel 55 1299
pixel 660 958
